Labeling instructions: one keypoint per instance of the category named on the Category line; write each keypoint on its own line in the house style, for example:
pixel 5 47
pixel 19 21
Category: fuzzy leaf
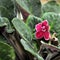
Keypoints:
pixel 30 49
pixel 5 22
pixel 22 29
pixel 30 6
pixel 7 8
pixel 6 52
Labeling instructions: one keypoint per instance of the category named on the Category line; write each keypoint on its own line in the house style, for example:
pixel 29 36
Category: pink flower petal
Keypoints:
pixel 38 27
pixel 39 35
pixel 47 35
pixel 47 28
pixel 45 23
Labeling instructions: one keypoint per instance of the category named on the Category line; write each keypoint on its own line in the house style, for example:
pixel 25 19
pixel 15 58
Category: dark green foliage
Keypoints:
pixel 31 6
pixel 7 9
pixel 2 39
pixel 4 12
pixel 34 7
pixel 6 52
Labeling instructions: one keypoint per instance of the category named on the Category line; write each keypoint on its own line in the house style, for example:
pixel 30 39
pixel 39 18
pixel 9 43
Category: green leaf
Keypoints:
pixel 7 8
pixel 30 6
pixel 6 52
pixel 34 7
pixel 5 22
pixel 32 21
pixel 2 39
pixel 54 21
pixel 22 29
pixel 51 6
pixel 3 12
pixel 23 4
pixel 30 49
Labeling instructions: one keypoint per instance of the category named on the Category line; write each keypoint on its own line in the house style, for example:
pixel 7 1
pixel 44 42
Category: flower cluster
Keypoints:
pixel 42 30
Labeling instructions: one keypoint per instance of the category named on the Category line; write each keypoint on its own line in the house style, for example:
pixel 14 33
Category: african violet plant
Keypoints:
pixel 35 37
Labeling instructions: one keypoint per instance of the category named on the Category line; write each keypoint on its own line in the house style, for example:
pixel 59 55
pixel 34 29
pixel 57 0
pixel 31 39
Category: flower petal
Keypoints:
pixel 39 35
pixel 47 28
pixel 38 27
pixel 45 23
pixel 47 35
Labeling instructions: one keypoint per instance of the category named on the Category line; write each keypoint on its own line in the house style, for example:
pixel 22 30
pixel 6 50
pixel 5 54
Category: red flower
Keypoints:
pixel 42 30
